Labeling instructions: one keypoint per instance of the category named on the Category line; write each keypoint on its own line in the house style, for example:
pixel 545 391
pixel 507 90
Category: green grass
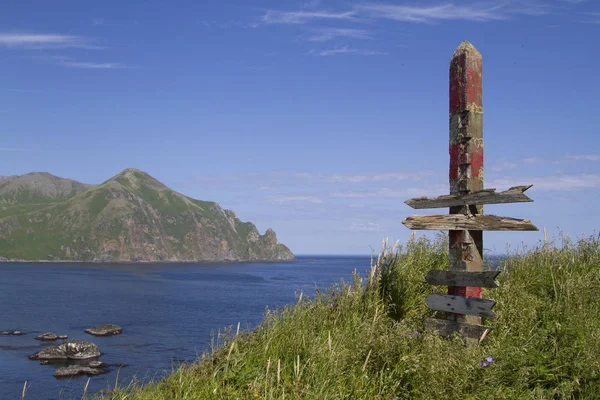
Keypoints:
pixel 365 339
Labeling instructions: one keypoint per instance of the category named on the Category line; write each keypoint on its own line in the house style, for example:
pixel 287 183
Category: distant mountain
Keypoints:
pixel 130 217
pixel 37 187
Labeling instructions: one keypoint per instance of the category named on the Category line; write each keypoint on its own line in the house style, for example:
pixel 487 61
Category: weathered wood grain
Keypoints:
pixel 448 328
pixel 487 196
pixel 468 222
pixel 463 278
pixel 461 305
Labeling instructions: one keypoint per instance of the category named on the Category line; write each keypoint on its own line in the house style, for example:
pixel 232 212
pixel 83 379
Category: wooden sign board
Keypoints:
pixel 487 196
pixel 455 222
pixel 463 278
pixel 461 305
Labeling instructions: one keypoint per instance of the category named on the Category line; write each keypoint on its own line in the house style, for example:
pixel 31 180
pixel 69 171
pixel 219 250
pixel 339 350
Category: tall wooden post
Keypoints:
pixel 466 165
pixel 464 277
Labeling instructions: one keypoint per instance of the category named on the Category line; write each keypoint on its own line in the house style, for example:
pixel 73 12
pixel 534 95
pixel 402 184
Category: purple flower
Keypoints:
pixel 484 364
pixel 489 359
pixel 416 333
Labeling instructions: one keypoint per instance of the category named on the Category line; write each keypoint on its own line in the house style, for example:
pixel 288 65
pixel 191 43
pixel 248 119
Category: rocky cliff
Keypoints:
pixel 130 217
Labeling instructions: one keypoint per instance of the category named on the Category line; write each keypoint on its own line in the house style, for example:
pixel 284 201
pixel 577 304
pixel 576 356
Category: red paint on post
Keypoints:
pixel 466 157
pixel 465 79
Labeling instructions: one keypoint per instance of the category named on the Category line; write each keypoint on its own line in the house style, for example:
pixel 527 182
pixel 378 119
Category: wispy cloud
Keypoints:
pixel 349 50
pixel 92 65
pixel 432 13
pixel 303 17
pixel 552 183
pixel 44 41
pixel 302 199
pixel 368 227
pixel 366 11
pixel 326 34
pixel 586 157
pixel 387 192
pixel 275 179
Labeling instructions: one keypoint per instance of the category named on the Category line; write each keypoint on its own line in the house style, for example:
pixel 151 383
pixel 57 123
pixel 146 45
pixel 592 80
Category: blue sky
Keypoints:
pixel 316 118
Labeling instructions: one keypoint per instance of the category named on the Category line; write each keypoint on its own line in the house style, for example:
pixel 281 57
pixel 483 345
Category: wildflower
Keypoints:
pixel 484 364
pixel 489 359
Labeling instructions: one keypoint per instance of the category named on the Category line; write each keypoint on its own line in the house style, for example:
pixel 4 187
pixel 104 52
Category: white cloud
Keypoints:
pixel 324 35
pixel 92 65
pixel 349 50
pixel 586 157
pixel 387 192
pixel 551 183
pixel 303 17
pixel 368 227
pixel 428 14
pixel 404 13
pixel 44 41
pixel 302 199
pixel 363 177
pixel 469 12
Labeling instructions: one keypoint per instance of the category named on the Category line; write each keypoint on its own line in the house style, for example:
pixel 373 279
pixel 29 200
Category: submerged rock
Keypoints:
pixel 13 333
pixel 49 336
pixel 97 364
pixel 76 370
pixel 73 350
pixel 104 330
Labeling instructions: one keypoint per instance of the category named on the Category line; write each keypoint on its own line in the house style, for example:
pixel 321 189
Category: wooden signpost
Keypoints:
pixel 463 304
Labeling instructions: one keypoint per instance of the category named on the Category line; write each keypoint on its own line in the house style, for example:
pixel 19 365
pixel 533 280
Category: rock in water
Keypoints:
pixel 13 333
pixel 48 336
pixel 72 350
pixel 76 370
pixel 97 364
pixel 104 330
pixel 62 337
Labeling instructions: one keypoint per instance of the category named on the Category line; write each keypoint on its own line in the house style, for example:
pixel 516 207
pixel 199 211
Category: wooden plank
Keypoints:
pixel 461 305
pixel 488 196
pixel 448 328
pixel 463 278
pixel 468 222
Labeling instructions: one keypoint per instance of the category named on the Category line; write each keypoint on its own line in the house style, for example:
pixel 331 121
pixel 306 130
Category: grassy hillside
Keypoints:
pixel 130 217
pixel 364 339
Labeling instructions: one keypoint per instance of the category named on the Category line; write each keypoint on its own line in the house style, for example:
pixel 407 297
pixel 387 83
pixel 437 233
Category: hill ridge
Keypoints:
pixel 129 217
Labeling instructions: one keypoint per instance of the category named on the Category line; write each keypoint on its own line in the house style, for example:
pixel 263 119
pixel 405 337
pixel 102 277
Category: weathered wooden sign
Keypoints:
pixel 468 222
pixel 465 277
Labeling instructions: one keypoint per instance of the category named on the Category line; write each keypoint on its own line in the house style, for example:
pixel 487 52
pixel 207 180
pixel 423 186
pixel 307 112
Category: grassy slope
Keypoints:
pixel 73 223
pixel 364 340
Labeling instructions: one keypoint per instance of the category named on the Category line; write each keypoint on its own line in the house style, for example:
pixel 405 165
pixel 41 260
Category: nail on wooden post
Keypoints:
pixel 466 164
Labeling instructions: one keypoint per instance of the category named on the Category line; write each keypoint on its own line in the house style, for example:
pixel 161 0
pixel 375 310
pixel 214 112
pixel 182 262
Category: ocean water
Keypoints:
pixel 167 312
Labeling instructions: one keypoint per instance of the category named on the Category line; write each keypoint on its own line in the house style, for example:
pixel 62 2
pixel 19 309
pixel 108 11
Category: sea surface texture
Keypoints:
pixel 167 312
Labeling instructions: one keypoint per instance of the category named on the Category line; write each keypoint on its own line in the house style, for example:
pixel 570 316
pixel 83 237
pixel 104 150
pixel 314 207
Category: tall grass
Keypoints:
pixel 364 339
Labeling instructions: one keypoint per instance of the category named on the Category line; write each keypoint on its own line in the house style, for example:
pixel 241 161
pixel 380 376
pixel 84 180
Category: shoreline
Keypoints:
pixel 143 262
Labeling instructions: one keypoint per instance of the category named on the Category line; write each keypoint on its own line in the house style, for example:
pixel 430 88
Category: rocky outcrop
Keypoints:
pixel 49 337
pixel 11 333
pixel 71 350
pixel 77 370
pixel 105 330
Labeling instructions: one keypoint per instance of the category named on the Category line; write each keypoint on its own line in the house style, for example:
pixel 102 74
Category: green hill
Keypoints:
pixel 130 217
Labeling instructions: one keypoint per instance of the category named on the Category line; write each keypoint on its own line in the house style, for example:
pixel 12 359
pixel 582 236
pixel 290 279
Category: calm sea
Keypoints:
pixel 167 312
